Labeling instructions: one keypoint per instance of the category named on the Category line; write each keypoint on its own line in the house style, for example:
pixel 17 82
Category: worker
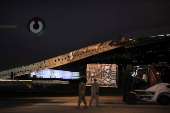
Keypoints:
pixel 94 93
pixel 81 92
pixel 145 77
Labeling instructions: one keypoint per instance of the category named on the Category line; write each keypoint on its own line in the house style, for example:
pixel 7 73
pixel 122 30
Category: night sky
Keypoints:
pixel 71 25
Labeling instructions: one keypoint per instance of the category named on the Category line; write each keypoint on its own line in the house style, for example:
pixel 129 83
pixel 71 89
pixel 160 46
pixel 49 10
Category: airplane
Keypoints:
pixel 66 26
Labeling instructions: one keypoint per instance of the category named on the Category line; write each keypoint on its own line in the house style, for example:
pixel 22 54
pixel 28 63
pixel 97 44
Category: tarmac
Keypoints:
pixel 67 104
pixel 64 99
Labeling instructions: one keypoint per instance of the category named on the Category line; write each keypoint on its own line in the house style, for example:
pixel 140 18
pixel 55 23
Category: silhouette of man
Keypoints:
pixel 94 93
pixel 81 92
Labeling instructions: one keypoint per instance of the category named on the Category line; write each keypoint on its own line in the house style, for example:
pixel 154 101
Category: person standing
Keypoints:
pixel 94 93
pixel 81 92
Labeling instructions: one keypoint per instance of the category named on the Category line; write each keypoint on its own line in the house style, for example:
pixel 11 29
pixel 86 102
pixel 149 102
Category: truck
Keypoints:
pixel 135 88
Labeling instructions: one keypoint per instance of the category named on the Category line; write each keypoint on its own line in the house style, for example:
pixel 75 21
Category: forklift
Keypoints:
pixel 152 89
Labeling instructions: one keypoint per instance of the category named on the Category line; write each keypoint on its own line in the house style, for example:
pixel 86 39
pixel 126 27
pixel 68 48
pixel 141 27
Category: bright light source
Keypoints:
pixel 133 74
pixel 160 35
pixel 51 73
